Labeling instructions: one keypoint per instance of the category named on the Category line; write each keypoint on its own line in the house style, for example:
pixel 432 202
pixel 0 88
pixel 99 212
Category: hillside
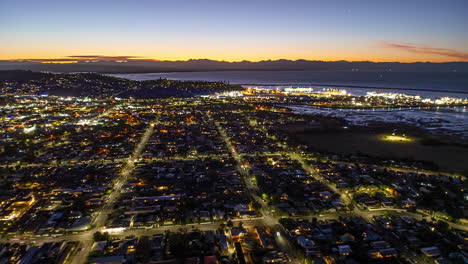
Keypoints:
pixel 92 84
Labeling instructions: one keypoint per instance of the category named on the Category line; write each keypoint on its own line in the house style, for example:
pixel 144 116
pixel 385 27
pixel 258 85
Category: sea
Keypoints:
pixel 454 84
pixel 447 120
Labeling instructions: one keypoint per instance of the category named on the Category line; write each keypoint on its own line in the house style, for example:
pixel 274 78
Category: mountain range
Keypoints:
pixel 147 66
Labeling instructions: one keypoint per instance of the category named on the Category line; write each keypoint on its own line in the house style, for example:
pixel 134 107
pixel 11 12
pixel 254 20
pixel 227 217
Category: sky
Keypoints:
pixel 234 30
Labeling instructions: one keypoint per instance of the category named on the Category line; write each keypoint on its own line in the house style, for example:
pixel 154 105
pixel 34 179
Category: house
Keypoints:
pixel 210 260
pixel 239 253
pixel 238 232
pixel 274 257
pixel 307 244
pixel 344 250
pixel 99 246
pixel 223 243
pixel 326 195
pixel 431 251
pixel 378 245
pixel 265 239
pixel 388 253
pixel 108 260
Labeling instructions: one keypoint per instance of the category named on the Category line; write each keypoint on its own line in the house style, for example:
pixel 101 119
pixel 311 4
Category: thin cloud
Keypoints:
pixel 47 60
pixel 87 58
pixel 106 58
pixel 423 49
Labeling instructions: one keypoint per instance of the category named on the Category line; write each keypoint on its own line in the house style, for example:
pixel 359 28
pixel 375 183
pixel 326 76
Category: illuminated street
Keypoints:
pixel 222 170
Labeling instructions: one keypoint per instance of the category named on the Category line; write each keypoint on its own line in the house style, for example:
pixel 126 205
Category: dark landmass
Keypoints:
pixel 151 66
pixel 96 85
pixel 447 157
pixel 446 153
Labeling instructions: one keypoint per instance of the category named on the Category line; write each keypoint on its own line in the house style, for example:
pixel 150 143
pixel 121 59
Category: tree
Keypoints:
pixel 222 226
pixel 98 236
pixel 230 224
pixel 256 205
pixel 315 220
pixel 442 226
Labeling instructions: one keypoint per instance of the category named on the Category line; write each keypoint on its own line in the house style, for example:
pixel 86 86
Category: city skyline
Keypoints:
pixel 58 32
pixel 233 132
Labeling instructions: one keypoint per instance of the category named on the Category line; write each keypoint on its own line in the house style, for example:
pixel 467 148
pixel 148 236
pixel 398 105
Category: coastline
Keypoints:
pixel 358 87
pixel 332 79
pixel 449 124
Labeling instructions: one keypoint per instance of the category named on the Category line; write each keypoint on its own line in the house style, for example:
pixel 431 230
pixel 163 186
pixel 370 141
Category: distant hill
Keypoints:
pixel 97 85
pixel 147 66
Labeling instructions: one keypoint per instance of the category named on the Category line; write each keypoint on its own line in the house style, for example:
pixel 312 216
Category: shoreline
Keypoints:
pixel 389 108
pixel 284 84
pixel 359 87
pixel 438 128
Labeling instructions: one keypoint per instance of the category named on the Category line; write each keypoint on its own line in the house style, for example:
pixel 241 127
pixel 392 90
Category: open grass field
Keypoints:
pixel 448 158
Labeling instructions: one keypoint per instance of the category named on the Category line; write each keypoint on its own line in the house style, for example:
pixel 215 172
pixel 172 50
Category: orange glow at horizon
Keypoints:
pixel 228 52
pixel 409 59
pixel 355 30
pixel 59 62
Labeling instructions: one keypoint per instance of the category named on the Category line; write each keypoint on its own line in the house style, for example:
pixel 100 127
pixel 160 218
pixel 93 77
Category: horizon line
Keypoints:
pixel 81 59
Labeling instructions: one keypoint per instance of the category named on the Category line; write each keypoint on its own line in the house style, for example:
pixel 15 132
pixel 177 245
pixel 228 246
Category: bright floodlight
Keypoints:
pixel 397 138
